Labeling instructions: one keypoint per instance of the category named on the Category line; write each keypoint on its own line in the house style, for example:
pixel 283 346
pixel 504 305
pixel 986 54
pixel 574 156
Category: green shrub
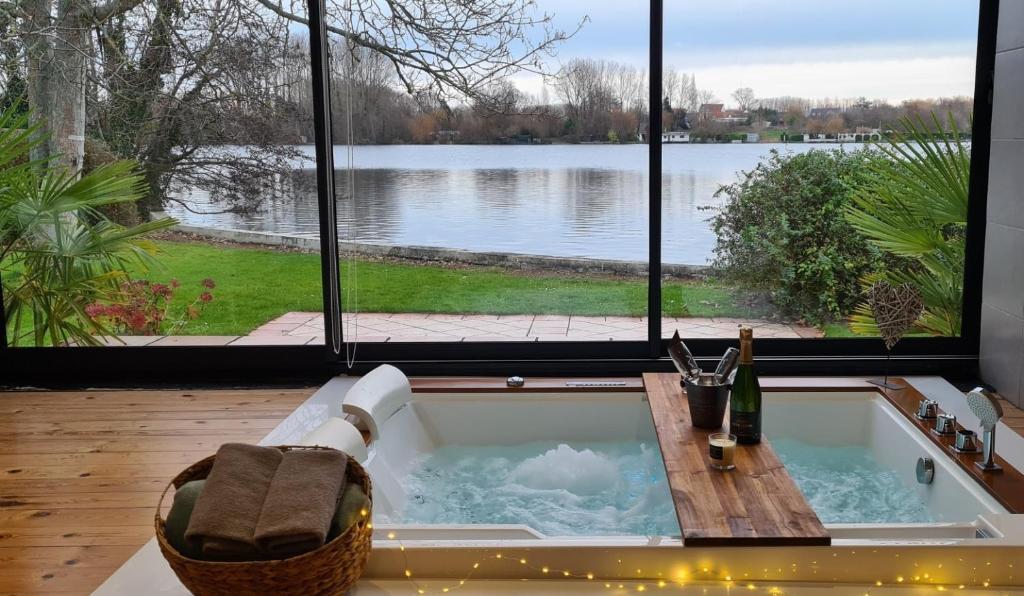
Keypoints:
pixel 782 229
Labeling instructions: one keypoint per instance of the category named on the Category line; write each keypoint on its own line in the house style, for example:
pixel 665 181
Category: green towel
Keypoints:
pixel 353 502
pixel 177 520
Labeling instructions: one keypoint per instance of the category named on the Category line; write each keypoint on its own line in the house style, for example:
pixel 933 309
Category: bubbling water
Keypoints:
pixel 844 484
pixel 579 472
pixel 555 488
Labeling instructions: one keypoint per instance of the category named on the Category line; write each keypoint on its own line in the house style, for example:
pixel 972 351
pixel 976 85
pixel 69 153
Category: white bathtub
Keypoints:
pixel 950 553
pixel 432 420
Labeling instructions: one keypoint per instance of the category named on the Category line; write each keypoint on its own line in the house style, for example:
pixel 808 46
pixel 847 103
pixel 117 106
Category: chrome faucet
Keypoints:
pixel 988 411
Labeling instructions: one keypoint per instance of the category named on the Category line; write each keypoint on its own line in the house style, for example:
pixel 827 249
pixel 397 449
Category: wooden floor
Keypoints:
pixel 81 472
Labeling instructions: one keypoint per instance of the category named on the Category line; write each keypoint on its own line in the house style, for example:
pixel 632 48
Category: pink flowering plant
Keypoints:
pixel 143 307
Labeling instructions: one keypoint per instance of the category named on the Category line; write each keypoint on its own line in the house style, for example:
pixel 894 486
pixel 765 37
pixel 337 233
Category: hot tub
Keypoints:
pixel 967 540
pixel 585 465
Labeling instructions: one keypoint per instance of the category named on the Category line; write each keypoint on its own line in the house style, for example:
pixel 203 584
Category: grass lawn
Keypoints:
pixel 257 285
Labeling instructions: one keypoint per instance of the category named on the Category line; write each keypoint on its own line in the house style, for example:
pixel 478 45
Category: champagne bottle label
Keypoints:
pixel 745 425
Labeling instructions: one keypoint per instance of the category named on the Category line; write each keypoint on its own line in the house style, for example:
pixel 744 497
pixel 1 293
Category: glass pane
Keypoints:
pixel 495 203
pixel 794 178
pixel 212 105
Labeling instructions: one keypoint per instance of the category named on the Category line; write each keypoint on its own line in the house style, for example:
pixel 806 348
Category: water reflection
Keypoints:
pixel 580 201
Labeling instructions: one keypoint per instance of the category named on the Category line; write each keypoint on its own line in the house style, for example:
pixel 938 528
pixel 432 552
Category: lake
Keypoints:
pixel 558 200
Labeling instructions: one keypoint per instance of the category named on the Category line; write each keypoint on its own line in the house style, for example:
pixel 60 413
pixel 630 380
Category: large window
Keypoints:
pixel 187 124
pixel 511 209
pixel 559 182
pixel 811 156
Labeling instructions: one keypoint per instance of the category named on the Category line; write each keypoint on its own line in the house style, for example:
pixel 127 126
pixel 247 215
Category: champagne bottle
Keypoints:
pixel 745 403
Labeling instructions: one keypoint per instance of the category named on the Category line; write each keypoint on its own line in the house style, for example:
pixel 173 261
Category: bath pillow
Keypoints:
pixel 377 396
pixel 339 434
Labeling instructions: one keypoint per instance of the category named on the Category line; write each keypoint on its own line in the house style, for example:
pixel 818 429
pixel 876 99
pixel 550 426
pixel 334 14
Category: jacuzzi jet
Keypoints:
pixel 925 470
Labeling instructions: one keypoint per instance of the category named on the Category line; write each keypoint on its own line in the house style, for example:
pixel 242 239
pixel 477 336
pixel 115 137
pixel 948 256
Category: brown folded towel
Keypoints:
pixel 301 502
pixel 226 512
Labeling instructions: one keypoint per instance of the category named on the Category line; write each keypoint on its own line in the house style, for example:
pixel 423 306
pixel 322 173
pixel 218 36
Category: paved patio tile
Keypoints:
pixel 128 341
pixel 588 319
pixel 481 324
pixel 416 316
pixel 271 340
pixel 297 317
pixel 437 317
pixel 424 327
pixel 409 339
pixel 498 338
pixel 275 325
pixel 195 340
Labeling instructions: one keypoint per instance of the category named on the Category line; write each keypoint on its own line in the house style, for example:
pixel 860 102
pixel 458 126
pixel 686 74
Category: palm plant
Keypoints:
pixel 914 207
pixel 58 253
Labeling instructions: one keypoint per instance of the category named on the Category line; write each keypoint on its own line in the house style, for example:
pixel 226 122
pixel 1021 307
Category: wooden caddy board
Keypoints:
pixel 756 504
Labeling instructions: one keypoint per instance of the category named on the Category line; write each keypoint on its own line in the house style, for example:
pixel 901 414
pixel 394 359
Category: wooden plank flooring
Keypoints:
pixel 81 472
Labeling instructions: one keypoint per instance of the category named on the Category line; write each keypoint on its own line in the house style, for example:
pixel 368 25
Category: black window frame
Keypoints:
pixel 954 357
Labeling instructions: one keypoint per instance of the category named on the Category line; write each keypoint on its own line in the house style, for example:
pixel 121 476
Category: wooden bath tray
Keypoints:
pixel 757 504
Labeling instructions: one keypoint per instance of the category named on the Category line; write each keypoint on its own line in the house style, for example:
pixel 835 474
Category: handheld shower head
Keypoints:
pixel 985 407
pixel 988 411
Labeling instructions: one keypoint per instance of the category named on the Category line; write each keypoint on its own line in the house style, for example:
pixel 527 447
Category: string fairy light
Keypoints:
pixel 726 579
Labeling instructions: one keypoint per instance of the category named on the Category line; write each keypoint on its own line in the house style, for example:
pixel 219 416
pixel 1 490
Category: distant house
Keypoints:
pixel 716 112
pixel 823 113
pixel 675 137
pixel 860 137
pixel 732 117
pixel 710 112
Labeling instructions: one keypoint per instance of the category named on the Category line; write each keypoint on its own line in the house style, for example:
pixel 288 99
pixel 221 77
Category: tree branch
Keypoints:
pixel 107 10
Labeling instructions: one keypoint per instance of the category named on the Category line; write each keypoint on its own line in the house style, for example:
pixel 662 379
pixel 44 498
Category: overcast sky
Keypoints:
pixel 881 49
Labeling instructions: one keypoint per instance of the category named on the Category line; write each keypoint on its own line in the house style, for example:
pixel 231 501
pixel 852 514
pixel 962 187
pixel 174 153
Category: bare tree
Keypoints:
pixel 446 49
pixel 175 77
pixel 681 90
pixel 583 87
pixel 745 99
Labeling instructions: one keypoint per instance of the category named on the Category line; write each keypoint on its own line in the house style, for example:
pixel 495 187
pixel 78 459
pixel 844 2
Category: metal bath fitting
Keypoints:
pixel 925 470
pixel 515 381
pixel 966 441
pixel 945 425
pixel 927 409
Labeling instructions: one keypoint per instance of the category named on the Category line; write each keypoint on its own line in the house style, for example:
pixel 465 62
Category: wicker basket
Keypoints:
pixel 331 569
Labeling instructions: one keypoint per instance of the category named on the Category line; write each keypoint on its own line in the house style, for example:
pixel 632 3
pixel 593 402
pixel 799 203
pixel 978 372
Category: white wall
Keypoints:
pixel 1002 311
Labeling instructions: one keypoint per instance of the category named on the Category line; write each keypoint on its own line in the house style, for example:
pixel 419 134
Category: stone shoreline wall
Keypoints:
pixel 450 255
